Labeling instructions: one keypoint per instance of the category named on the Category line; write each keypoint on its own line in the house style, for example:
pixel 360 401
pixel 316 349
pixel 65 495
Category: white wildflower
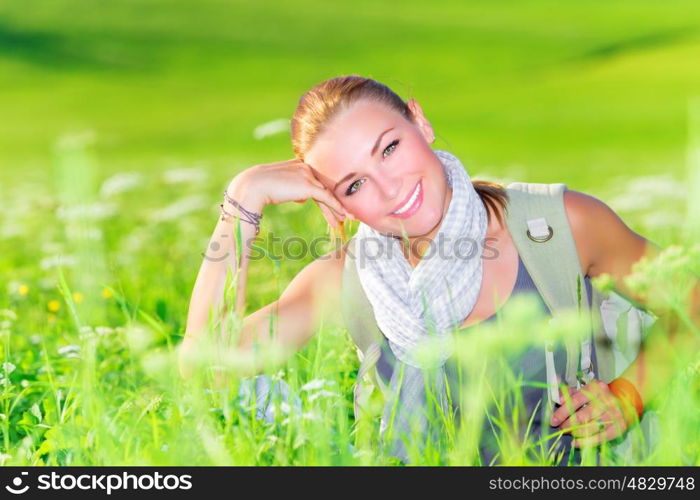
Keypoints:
pixel 87 211
pixel 271 128
pixel 47 283
pixel 85 329
pixel 66 350
pixel 57 260
pixel 645 193
pixel 52 247
pixel 13 287
pixel 120 183
pixel 11 228
pixel 179 208
pixel 661 219
pixel 103 330
pixel 8 367
pixel 36 411
pixel 311 416
pixel 322 393
pixel 76 140
pixel 185 175
pixel 317 383
pixel 74 233
pixel 8 313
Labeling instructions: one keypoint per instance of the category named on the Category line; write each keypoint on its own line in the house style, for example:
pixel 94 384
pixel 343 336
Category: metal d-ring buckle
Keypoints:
pixel 541 239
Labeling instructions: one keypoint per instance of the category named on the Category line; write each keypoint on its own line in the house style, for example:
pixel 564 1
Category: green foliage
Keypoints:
pixel 122 125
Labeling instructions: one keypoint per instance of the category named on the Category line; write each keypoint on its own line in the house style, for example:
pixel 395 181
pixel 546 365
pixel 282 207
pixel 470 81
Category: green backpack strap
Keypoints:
pixel 537 222
pixel 359 319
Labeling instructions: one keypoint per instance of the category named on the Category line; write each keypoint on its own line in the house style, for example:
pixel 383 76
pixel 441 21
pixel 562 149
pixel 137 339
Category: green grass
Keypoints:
pixel 595 95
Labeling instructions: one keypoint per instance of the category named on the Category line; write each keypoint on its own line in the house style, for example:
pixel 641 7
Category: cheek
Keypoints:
pixel 362 208
pixel 362 211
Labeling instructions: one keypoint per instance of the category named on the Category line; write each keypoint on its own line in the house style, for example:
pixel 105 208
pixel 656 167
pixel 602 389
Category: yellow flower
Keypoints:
pixel 23 289
pixel 54 305
pixel 77 297
pixel 106 293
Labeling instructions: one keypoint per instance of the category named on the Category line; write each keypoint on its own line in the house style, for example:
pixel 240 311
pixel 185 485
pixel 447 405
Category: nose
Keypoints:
pixel 390 185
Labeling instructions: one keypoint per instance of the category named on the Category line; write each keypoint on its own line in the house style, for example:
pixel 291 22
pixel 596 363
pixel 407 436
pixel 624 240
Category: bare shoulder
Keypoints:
pixel 604 242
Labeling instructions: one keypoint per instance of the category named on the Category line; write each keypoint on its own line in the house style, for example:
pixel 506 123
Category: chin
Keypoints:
pixel 422 222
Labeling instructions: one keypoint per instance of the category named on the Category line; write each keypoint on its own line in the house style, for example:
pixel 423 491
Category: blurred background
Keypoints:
pixel 593 94
pixel 122 121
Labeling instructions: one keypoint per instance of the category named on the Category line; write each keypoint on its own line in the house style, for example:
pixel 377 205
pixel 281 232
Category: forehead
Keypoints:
pixel 347 140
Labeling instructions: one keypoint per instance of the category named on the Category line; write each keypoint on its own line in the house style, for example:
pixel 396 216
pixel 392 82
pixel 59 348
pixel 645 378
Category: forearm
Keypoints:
pixel 671 344
pixel 208 292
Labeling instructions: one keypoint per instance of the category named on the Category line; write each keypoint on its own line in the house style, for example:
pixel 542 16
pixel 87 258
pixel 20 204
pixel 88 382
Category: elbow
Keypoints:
pixel 184 362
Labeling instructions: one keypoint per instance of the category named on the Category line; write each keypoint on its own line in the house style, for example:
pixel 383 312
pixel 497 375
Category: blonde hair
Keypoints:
pixel 318 106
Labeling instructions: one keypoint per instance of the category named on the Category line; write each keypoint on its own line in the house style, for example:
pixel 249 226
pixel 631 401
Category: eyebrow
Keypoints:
pixel 372 153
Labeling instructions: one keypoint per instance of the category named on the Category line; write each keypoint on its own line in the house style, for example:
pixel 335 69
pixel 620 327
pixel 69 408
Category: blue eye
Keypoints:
pixel 393 143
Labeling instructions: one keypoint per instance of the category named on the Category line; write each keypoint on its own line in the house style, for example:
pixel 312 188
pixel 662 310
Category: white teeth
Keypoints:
pixel 410 202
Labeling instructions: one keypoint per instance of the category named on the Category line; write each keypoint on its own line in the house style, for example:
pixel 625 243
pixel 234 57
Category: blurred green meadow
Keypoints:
pixel 121 122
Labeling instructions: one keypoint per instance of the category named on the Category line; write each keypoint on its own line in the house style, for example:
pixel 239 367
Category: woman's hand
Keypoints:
pixel 592 415
pixel 291 180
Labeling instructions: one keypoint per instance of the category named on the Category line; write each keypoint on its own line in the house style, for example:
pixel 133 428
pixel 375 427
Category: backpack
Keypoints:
pixel 537 222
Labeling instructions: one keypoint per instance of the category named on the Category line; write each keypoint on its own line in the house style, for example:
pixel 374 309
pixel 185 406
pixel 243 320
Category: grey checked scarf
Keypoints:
pixel 418 308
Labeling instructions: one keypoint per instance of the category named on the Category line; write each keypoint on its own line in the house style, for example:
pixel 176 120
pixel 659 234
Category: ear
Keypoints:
pixel 423 123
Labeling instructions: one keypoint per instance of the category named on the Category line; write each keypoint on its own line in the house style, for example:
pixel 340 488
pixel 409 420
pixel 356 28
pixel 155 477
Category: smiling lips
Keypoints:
pixel 411 205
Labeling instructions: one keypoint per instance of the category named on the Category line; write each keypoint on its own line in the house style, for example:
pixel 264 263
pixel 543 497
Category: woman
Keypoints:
pixel 362 153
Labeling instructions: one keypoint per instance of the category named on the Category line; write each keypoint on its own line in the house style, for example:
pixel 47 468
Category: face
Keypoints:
pixel 377 163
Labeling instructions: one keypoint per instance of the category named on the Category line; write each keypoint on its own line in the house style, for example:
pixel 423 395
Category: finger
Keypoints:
pixel 591 427
pixel 329 215
pixel 570 404
pixel 323 195
pixel 592 411
pixel 596 391
pixel 610 423
pixel 608 433
pixel 583 415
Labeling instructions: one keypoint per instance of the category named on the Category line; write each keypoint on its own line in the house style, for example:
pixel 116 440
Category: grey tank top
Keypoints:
pixel 530 365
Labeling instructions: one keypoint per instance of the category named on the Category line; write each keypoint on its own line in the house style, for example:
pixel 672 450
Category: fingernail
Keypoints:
pixel 555 421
